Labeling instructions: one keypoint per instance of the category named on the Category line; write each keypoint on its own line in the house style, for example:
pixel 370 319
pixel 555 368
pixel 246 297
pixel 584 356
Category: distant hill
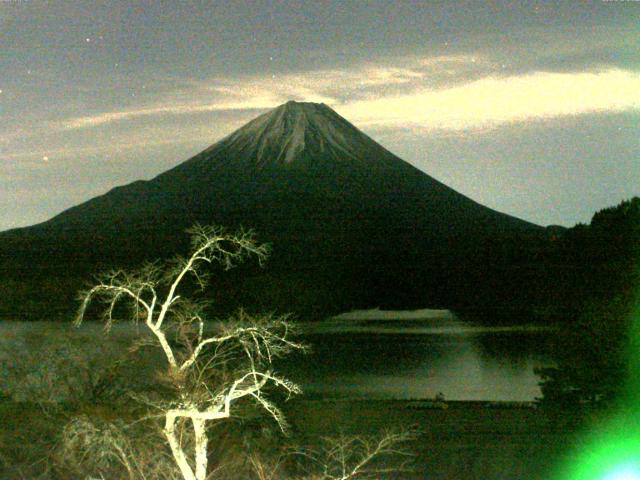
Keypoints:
pixel 351 224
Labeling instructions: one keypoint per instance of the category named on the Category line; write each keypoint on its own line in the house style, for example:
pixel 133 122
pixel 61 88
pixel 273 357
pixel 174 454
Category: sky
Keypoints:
pixel 529 107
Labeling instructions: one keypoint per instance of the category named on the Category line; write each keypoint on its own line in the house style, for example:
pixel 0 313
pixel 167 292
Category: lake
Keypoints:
pixel 419 355
pixel 383 355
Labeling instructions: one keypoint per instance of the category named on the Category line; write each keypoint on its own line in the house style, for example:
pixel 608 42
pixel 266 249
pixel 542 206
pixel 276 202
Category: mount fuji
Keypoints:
pixel 351 224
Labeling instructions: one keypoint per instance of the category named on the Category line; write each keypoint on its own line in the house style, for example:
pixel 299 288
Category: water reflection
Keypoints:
pixel 421 358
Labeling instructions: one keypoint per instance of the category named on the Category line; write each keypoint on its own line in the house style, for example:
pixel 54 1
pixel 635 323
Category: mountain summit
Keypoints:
pixel 295 132
pixel 351 224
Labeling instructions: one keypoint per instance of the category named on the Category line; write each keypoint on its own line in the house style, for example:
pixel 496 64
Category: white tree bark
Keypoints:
pixel 200 432
pixel 176 449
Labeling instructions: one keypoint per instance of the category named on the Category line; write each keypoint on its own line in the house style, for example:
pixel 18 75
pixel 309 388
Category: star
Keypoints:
pixel 87 39
pixel 45 158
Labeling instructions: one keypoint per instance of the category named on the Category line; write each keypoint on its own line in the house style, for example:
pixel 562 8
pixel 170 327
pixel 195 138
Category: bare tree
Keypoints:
pixel 210 367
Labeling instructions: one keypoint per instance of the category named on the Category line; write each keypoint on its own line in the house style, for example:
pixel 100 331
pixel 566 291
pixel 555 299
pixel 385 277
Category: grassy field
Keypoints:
pixel 459 440
pixel 465 440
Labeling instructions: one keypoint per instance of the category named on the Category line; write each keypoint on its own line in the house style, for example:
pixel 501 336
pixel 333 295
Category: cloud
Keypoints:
pixel 439 93
pixel 184 109
pixel 494 101
pixel 249 93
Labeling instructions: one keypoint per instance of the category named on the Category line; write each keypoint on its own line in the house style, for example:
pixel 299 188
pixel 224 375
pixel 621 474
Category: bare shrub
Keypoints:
pixel 47 363
pixel 113 449
pixel 344 457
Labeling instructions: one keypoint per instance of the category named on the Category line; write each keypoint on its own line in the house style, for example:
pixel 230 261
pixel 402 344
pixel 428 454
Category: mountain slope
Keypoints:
pixel 351 224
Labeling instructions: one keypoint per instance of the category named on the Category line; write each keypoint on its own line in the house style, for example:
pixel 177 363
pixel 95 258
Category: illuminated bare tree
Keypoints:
pixel 210 366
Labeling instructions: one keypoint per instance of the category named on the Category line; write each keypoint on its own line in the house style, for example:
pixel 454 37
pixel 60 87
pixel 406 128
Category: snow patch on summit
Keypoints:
pixel 295 130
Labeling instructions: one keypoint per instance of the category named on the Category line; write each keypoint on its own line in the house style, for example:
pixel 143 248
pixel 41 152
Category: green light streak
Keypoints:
pixel 612 450
pixel 630 471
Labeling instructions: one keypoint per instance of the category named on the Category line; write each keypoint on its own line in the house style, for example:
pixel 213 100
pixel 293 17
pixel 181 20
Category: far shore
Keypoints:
pixel 377 314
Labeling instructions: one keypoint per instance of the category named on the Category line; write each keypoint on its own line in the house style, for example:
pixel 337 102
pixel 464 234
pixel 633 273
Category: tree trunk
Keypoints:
pixel 176 448
pixel 200 432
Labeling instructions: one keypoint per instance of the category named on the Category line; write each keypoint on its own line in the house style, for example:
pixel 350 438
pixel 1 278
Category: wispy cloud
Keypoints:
pixel 255 102
pixel 328 86
pixel 439 93
pixel 493 101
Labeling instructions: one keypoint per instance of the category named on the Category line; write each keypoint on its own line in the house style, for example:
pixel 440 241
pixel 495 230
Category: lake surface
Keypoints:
pixel 403 356
pixel 420 357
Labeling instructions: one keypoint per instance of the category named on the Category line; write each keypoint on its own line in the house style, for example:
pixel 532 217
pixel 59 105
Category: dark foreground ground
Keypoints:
pixel 458 440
